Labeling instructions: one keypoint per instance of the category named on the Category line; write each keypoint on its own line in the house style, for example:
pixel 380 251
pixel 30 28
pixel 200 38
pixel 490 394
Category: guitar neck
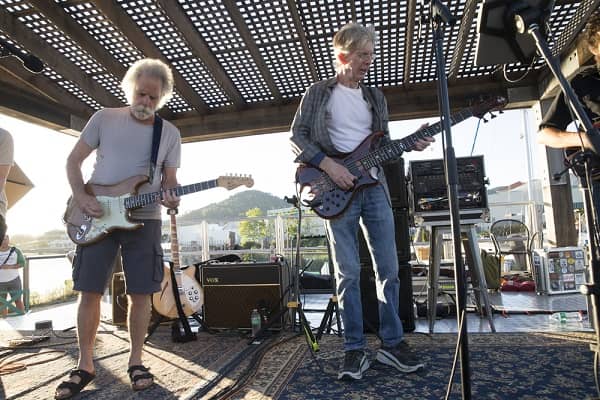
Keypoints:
pixel 399 146
pixel 141 200
pixel 174 244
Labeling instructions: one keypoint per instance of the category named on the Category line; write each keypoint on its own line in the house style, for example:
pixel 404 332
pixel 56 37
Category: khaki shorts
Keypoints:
pixel 142 260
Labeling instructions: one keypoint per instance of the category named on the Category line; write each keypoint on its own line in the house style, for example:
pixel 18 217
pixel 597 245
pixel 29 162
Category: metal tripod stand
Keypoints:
pixel 293 305
pixel 333 305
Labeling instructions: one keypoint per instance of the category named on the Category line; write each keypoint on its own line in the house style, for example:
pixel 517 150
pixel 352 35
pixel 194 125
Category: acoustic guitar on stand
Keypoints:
pixel 187 287
pixel 119 200
pixel 319 192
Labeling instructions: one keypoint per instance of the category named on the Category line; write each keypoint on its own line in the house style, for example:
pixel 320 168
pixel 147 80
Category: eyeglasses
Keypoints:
pixel 364 56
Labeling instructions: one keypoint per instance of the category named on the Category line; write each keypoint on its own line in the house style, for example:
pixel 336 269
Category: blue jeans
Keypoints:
pixel 370 209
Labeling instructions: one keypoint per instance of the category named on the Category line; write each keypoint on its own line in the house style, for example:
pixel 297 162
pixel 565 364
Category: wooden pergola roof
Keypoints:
pixel 241 66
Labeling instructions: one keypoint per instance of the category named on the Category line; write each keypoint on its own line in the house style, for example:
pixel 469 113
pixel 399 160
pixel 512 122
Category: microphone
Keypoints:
pixel 442 11
pixel 439 11
pixel 291 200
pixel 29 61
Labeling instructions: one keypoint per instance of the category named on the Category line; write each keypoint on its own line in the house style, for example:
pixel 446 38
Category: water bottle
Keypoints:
pixel 564 317
pixel 255 322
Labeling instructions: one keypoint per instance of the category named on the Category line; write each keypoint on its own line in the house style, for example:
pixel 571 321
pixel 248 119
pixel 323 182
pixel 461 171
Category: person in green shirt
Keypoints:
pixel 11 261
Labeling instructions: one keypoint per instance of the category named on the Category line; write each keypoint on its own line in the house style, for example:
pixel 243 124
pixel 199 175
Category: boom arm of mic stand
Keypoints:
pixel 594 138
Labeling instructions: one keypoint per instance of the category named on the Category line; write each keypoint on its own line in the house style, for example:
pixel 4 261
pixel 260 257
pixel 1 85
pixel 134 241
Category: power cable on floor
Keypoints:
pixel 251 370
pixel 9 366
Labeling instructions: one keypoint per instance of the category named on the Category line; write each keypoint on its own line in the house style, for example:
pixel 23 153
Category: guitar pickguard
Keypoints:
pixel 115 216
pixel 193 293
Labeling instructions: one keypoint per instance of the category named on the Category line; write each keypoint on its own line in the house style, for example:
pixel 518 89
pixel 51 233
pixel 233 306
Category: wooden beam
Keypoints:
pixel 408 43
pixel 86 41
pixel 55 60
pixel 241 123
pixel 353 11
pixel 120 19
pixel 404 103
pixel 557 197
pixel 303 40
pixel 238 20
pixel 201 50
pixel 21 104
pixel 83 38
pixel 462 39
pixel 42 87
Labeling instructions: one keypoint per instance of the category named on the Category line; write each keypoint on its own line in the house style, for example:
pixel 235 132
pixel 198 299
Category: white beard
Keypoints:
pixel 142 112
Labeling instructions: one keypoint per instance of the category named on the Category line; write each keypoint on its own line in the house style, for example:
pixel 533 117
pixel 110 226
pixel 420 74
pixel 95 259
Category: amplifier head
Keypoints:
pixel 428 192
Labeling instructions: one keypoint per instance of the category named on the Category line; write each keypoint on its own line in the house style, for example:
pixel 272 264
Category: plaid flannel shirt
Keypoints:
pixel 310 136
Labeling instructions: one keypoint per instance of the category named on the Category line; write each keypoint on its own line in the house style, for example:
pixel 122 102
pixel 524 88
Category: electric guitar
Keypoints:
pixel 319 192
pixel 120 199
pixel 188 288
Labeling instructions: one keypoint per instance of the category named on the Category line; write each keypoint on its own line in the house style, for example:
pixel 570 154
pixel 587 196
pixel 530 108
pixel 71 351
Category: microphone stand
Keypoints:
pixel 527 20
pixel 440 15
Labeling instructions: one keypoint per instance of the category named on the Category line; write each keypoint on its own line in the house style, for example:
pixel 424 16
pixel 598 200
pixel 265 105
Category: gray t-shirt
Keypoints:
pixel 6 158
pixel 123 149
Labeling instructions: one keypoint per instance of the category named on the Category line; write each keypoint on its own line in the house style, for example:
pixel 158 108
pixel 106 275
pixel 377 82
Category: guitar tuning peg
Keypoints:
pixel 484 120
pixel 492 115
pixel 500 112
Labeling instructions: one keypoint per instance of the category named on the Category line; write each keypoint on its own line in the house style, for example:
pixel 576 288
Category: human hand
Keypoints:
pixel 88 204
pixel 169 198
pixel 338 173
pixel 422 144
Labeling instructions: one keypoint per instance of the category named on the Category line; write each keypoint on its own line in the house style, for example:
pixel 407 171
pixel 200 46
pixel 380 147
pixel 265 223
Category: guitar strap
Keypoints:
pixel 189 335
pixel 12 250
pixel 156 134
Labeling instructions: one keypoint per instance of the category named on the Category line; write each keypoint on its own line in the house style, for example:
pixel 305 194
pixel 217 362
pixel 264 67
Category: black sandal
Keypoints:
pixel 74 388
pixel 135 378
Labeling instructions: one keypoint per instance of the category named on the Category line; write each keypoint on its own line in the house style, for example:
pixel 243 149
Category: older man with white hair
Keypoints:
pixel 123 140
pixel 335 116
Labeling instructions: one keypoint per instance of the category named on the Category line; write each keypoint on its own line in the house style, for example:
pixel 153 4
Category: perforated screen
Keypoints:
pixel 231 56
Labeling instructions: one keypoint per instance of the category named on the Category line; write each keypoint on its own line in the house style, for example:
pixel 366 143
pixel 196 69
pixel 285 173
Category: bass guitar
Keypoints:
pixel 187 287
pixel 119 200
pixel 319 192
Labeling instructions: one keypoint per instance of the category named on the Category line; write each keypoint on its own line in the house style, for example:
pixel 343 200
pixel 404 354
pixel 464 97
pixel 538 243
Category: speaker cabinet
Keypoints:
pixel 396 181
pixel 232 291
pixel 369 298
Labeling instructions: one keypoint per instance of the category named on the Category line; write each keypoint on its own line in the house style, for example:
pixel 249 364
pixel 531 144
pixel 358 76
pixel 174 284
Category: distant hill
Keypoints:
pixel 234 207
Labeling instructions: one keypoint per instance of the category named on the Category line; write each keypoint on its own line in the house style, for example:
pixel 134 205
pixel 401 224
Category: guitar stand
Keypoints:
pixel 175 327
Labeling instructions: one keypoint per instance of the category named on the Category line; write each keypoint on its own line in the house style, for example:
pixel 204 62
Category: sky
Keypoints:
pixel 42 153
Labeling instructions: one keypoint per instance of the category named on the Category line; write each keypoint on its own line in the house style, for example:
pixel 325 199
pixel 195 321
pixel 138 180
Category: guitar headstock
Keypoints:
pixel 487 105
pixel 232 181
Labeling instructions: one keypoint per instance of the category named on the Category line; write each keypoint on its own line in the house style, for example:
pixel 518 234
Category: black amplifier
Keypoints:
pixel 428 196
pixel 233 290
